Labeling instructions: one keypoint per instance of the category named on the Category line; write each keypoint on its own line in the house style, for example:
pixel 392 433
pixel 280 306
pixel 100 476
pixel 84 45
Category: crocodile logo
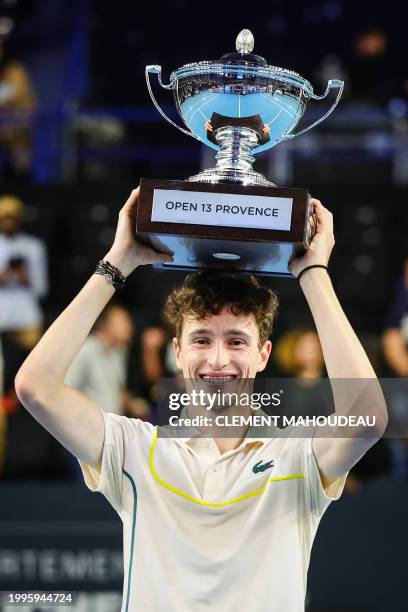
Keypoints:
pixel 261 468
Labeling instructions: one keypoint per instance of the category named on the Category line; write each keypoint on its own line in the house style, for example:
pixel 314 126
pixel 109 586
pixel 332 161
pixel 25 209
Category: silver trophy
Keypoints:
pixel 239 86
pixel 239 106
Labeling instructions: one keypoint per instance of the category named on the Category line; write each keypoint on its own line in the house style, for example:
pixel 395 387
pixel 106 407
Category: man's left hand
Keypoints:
pixel 322 243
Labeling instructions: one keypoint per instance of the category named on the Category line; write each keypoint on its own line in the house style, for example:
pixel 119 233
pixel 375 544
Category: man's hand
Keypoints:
pixel 126 252
pixel 208 126
pixel 19 273
pixel 322 243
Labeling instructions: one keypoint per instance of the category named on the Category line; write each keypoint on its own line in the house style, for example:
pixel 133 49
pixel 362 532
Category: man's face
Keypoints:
pixel 308 352
pixel 223 345
pixel 9 224
pixel 118 327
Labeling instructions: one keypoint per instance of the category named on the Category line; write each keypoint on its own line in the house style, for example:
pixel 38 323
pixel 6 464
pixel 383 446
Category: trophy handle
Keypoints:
pixel 157 70
pixel 332 84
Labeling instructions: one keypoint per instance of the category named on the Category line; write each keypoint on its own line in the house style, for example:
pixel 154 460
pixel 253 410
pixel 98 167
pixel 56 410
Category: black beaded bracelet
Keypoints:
pixel 310 267
pixel 112 274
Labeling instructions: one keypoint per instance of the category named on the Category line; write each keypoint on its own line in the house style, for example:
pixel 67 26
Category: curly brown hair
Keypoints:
pixel 209 291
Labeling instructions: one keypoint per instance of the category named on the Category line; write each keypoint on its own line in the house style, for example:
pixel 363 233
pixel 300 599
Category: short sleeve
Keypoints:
pixel 318 497
pixel 108 480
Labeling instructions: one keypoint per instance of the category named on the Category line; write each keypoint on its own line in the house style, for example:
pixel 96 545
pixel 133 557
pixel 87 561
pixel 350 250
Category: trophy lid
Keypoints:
pixel 243 63
pixel 244 46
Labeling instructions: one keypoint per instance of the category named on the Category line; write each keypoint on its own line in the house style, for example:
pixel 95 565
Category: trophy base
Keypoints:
pixel 228 226
pixel 231 176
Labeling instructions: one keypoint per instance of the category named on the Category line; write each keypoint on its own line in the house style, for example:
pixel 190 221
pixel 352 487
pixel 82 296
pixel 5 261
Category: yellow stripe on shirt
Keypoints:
pixel 201 502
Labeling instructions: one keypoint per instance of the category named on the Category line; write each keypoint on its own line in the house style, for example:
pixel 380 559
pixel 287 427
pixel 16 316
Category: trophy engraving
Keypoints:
pixel 239 106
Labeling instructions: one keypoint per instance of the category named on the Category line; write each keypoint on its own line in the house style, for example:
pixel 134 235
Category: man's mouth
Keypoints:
pixel 218 379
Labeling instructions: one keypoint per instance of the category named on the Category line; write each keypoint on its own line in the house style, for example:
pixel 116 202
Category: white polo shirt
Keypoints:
pixel 204 531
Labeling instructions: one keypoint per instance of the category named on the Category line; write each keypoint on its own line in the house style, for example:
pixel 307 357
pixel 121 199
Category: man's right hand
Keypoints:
pixel 127 253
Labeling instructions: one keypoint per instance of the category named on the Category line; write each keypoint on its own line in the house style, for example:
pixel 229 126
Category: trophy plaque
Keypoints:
pixel 231 216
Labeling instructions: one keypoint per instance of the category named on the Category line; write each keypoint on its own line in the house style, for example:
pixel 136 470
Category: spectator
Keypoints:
pixel 23 275
pixel 153 341
pixel 26 450
pixel 370 70
pixel 2 411
pixel 299 353
pixel 100 369
pixel 395 346
pixel 158 363
pixel 17 102
pixel 395 336
pixel 331 67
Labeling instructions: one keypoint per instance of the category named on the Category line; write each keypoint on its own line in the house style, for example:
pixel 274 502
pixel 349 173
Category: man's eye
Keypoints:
pixel 237 342
pixel 201 341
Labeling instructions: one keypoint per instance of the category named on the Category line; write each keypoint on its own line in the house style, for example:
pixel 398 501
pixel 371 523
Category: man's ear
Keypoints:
pixel 264 353
pixel 177 351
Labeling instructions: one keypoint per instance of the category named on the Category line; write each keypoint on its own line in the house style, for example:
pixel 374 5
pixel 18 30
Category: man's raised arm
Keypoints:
pixel 359 392
pixel 70 416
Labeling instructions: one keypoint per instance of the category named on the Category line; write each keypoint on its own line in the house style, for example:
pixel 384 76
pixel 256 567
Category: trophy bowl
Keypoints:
pixel 239 106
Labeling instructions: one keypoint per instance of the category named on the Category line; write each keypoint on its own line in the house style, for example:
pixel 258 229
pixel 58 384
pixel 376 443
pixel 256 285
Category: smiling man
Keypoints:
pixel 210 523
pixel 222 323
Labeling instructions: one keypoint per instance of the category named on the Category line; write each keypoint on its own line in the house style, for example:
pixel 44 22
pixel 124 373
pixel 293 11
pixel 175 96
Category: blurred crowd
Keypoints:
pixel 103 369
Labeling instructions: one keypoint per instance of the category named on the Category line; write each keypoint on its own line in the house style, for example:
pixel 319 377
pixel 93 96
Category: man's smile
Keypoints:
pixel 218 378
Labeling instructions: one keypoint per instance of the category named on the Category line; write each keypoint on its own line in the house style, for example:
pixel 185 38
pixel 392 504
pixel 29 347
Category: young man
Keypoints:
pixel 203 530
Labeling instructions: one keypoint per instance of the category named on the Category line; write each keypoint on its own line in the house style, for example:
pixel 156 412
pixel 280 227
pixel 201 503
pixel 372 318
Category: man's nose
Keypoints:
pixel 218 356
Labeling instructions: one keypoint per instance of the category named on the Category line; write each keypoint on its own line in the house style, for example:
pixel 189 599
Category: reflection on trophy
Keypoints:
pixel 231 216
